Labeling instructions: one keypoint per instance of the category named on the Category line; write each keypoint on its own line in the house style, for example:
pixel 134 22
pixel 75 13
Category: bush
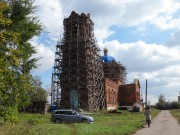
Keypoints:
pixel 163 106
pixel 137 107
pixel 175 105
pixel 8 115
pixel 33 121
pixel 168 105
pixel 2 121
pixel 122 108
pixel 112 111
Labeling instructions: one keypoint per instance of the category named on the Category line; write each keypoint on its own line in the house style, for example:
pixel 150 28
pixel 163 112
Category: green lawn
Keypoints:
pixel 105 124
pixel 176 113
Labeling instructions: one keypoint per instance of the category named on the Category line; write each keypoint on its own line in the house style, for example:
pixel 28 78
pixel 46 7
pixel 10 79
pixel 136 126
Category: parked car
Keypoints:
pixel 70 116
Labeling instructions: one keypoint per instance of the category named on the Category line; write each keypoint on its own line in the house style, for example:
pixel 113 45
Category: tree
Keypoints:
pixel 162 104
pixel 17 27
pixel 38 93
pixel 162 99
pixel 37 97
pixel 175 105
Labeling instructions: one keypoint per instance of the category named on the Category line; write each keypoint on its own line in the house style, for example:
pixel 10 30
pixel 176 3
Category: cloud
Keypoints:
pixel 46 55
pixel 157 63
pixel 106 13
pixel 167 22
pixel 51 15
pixel 174 40
pixel 140 56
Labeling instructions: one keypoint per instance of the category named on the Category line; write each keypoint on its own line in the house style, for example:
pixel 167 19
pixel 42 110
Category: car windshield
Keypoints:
pixel 77 113
pixel 67 112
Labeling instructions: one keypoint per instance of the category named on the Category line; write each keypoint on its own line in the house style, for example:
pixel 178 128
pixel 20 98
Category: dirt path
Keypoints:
pixel 163 124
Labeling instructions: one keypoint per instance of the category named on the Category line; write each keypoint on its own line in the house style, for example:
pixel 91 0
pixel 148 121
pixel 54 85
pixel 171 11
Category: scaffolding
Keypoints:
pixel 115 71
pixel 56 87
pixel 78 79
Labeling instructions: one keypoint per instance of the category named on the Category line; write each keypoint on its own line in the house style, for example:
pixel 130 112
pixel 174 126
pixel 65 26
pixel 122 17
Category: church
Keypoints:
pixel 82 78
pixel 117 92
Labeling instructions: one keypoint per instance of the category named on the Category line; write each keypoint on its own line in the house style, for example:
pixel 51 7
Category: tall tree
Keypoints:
pixel 162 104
pixel 17 27
pixel 38 93
pixel 161 99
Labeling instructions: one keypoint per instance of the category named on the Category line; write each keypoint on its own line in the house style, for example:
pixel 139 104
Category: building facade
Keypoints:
pixel 129 93
pixel 111 94
pixel 80 67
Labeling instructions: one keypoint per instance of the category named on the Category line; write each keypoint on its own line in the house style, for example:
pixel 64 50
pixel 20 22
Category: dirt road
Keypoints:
pixel 163 124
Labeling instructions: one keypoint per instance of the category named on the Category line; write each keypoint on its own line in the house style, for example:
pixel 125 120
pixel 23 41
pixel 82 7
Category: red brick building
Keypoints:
pixel 111 94
pixel 117 92
pixel 121 94
pixel 129 94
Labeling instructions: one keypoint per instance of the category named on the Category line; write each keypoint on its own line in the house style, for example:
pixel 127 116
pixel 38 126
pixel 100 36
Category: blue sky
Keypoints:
pixel 143 35
pixel 133 34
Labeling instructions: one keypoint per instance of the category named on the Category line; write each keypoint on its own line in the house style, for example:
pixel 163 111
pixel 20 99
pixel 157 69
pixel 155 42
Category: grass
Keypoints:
pixel 176 113
pixel 125 123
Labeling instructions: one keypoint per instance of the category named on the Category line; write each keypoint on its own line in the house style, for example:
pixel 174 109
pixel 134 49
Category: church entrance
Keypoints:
pixel 74 99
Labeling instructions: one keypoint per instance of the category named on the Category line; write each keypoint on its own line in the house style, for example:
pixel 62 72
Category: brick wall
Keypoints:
pixel 111 94
pixel 129 94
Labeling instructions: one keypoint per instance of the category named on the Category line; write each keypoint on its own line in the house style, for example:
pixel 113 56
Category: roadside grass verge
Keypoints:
pixel 176 113
pixel 125 123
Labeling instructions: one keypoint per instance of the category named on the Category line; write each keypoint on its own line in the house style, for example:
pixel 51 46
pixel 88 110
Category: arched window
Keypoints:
pixel 109 93
pixel 112 96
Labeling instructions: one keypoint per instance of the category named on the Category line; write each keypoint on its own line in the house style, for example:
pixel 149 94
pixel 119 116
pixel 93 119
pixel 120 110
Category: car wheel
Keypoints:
pixel 85 121
pixel 58 121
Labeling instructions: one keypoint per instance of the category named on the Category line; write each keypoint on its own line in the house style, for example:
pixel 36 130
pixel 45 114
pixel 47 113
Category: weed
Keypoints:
pixel 176 113
pixel 104 124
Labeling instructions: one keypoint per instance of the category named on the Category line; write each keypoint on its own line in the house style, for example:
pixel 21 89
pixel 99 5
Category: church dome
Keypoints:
pixel 107 58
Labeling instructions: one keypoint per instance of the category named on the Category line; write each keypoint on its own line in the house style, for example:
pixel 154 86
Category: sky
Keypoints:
pixel 143 35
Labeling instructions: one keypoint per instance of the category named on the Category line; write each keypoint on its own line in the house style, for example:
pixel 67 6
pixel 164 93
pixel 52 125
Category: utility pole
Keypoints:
pixel 52 91
pixel 146 94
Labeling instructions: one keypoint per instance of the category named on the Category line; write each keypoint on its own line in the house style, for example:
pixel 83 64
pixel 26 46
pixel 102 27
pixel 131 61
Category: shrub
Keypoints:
pixel 122 107
pixel 162 106
pixel 33 121
pixel 168 105
pixel 112 111
pixel 175 105
pixel 2 121
pixel 137 107
pixel 8 115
